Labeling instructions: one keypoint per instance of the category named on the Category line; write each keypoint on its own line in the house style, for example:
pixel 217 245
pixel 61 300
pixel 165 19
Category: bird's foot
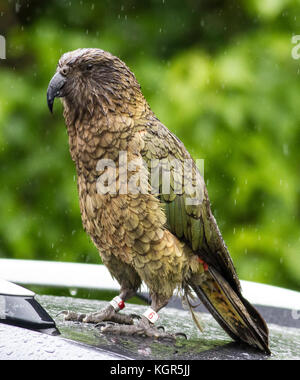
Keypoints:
pixel 142 328
pixel 106 315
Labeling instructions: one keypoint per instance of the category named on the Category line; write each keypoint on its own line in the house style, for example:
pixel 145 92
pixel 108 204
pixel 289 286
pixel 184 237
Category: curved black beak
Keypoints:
pixel 54 89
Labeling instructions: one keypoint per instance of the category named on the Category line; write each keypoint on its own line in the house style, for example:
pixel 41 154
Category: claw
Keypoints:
pixel 135 316
pixel 104 324
pixel 110 323
pixel 100 324
pixel 61 312
pixel 181 334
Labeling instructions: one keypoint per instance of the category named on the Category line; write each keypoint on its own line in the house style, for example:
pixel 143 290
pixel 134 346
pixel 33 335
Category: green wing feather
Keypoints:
pixel 188 213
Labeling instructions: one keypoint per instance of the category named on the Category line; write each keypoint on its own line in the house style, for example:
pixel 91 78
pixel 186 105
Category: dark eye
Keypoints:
pixel 89 67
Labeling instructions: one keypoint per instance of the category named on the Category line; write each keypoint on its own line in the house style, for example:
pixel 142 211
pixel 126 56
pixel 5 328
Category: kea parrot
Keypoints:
pixel 164 236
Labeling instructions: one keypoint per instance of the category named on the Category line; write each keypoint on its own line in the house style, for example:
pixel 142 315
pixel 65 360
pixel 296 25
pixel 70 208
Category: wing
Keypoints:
pixel 186 200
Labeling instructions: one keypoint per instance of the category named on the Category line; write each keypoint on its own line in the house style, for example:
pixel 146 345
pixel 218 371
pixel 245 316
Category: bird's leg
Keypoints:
pixel 110 313
pixel 145 325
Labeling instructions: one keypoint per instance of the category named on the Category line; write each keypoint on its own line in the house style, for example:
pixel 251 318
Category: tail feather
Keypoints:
pixel 232 311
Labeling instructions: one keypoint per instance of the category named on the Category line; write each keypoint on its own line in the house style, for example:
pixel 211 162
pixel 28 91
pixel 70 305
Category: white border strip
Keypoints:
pixel 94 276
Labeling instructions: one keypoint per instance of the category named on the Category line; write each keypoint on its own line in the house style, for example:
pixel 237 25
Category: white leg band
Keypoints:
pixel 151 315
pixel 117 303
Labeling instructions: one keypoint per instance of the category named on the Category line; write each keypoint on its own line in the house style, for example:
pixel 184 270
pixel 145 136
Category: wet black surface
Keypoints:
pixel 212 344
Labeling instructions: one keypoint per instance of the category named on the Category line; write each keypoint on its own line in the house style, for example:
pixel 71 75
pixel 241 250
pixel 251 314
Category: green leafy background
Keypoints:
pixel 219 74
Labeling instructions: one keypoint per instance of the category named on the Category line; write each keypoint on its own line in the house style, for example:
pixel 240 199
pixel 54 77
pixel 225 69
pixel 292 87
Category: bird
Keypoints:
pixel 144 203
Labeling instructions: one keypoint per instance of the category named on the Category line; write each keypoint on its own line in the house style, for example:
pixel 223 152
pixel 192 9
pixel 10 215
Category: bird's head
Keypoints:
pixel 86 78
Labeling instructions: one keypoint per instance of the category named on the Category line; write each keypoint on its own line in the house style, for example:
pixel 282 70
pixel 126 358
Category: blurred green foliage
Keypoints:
pixel 217 73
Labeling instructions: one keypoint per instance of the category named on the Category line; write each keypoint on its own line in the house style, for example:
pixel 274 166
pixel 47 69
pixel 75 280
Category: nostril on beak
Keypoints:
pixel 64 71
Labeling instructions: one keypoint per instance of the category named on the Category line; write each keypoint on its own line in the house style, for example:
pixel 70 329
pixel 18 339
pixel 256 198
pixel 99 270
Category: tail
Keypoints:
pixel 233 312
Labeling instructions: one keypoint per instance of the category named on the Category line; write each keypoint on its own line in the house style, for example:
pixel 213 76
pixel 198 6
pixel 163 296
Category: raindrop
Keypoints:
pixel 50 350
pixel 73 292
pixel 285 149
pixel 18 7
